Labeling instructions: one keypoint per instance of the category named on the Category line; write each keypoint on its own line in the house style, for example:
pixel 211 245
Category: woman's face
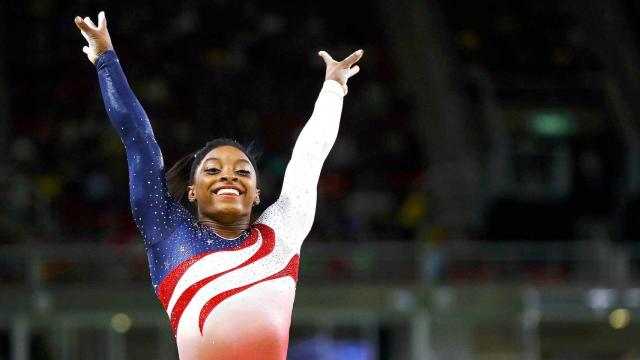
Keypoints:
pixel 224 186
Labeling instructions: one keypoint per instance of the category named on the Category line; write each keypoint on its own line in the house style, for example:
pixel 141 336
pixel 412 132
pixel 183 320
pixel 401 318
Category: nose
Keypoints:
pixel 229 175
pixel 226 178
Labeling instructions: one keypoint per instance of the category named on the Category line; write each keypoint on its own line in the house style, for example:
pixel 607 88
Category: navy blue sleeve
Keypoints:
pixel 154 211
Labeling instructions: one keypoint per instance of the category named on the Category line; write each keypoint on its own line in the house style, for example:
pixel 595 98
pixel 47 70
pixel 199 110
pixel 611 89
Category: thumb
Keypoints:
pixel 102 20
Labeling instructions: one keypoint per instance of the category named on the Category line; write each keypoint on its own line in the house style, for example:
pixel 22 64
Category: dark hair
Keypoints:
pixel 182 173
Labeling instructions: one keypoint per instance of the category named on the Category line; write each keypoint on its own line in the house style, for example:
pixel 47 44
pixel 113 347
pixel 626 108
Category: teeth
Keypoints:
pixel 228 191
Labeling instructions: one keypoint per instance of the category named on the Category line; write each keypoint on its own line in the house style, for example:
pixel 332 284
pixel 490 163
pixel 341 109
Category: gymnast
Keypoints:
pixel 227 285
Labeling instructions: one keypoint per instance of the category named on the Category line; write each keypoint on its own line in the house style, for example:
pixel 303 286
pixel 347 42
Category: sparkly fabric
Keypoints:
pixel 202 279
pixel 170 232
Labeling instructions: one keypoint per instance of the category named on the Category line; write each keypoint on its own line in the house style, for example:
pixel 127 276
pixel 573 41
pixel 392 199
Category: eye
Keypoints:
pixel 243 172
pixel 212 171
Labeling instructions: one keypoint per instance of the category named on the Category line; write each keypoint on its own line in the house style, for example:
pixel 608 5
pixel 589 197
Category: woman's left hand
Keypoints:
pixel 343 70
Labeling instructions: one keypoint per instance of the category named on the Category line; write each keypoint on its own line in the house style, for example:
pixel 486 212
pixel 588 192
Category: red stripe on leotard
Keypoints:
pixel 290 270
pixel 169 283
pixel 268 243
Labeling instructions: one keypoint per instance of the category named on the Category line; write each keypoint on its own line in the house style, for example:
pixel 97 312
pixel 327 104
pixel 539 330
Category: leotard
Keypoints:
pixel 225 298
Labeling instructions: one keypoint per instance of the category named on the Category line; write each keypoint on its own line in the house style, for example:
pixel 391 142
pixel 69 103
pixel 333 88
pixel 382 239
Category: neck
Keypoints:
pixel 229 231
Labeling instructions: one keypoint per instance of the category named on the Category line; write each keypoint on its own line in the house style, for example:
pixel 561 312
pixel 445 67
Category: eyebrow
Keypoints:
pixel 212 158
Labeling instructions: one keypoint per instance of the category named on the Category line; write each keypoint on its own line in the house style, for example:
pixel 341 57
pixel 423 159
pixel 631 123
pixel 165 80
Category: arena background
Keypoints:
pixel 481 201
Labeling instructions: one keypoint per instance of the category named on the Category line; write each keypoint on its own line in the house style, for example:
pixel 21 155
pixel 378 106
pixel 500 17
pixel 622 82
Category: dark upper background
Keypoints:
pixel 545 94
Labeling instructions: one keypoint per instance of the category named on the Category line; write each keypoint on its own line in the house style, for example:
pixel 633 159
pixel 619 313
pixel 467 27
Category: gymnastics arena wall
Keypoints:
pixel 380 300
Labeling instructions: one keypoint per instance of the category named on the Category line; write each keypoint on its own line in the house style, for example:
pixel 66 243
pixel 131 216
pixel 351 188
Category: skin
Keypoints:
pixel 227 215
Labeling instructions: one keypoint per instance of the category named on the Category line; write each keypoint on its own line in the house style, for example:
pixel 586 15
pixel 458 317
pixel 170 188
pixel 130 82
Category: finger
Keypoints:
pixel 84 34
pixel 102 20
pixel 85 49
pixel 354 70
pixel 353 58
pixel 82 25
pixel 326 57
pixel 90 23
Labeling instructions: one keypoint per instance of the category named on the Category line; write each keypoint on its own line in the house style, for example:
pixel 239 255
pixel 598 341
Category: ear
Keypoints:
pixel 256 201
pixel 191 193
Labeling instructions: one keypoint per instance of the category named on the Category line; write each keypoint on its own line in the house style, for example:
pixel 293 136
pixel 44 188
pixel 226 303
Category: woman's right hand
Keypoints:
pixel 97 36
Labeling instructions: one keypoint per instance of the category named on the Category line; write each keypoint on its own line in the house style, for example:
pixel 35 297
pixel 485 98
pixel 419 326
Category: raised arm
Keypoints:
pixel 154 211
pixel 294 210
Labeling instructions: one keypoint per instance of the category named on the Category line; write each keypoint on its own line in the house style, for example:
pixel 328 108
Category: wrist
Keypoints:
pixel 105 58
pixel 334 87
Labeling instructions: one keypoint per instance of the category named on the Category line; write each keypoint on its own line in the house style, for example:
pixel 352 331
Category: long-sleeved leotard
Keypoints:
pixel 225 298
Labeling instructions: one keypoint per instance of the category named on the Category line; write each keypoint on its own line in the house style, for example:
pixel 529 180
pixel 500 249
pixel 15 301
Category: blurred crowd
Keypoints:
pixel 249 70
pixel 202 69
pixel 568 165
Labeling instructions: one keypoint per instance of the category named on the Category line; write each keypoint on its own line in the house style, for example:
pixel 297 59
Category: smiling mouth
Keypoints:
pixel 227 192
